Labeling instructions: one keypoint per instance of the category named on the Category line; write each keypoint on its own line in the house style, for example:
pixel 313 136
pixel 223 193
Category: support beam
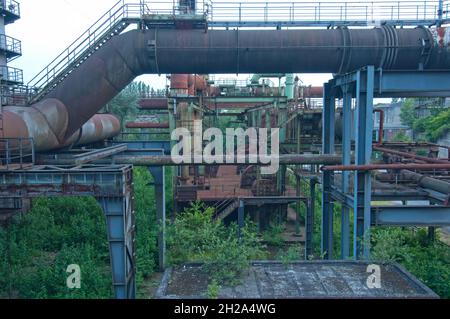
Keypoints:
pixel 346 160
pixel 121 228
pixel 158 174
pixel 309 249
pixel 329 113
pixel 426 216
pixel 362 180
pixel 111 185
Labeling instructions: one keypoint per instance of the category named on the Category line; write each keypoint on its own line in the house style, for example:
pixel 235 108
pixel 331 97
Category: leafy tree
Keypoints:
pixel 430 262
pixel 408 113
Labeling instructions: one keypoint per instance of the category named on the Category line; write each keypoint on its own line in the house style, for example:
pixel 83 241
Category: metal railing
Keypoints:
pixel 202 8
pixel 17 95
pixel 252 13
pixel 10 44
pixel 10 74
pixel 112 22
pixel 10 6
pixel 249 13
pixel 16 153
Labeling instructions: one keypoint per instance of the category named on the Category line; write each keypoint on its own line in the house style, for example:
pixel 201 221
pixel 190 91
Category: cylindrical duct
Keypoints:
pixel 105 73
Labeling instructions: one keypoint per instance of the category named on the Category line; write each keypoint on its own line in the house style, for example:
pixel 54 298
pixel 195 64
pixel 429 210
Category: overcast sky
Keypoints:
pixel 47 27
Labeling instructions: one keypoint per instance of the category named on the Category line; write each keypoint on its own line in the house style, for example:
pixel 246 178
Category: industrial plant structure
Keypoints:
pixel 53 142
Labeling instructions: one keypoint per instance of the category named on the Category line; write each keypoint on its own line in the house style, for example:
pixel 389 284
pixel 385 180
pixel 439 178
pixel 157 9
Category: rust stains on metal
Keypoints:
pixel 147 125
pixel 153 104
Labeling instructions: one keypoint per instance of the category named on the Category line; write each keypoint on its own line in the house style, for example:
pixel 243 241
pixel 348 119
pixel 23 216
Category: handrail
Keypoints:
pixel 11 74
pixel 64 58
pixel 16 151
pixel 350 11
pixel 119 13
pixel 11 6
pixel 239 13
pixel 10 44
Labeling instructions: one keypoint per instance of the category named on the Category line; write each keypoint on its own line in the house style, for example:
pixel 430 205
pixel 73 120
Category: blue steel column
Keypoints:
pixel 329 111
pixel 310 218
pixel 120 228
pixel 346 160
pixel 160 199
pixel 363 182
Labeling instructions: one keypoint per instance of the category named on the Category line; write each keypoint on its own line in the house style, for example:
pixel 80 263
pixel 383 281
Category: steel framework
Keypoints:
pixel 363 85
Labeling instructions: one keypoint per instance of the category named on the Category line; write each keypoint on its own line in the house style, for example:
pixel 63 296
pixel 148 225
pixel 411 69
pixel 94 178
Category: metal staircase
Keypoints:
pixel 225 208
pixel 112 23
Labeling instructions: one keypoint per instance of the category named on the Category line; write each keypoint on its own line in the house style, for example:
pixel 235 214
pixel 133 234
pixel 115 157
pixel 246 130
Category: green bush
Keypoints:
pixel 36 249
pixel 430 262
pixel 273 236
pixel 195 237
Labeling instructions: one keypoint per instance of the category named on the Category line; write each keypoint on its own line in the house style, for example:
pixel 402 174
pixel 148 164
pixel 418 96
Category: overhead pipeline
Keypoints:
pixel 106 72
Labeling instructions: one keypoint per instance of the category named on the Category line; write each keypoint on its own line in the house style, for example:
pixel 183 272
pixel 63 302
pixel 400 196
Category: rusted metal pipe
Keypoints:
pixel 374 167
pixel 411 156
pixel 146 125
pixel 312 92
pixel 153 104
pixel 288 159
pixel 116 63
pixel 427 182
pixel 47 122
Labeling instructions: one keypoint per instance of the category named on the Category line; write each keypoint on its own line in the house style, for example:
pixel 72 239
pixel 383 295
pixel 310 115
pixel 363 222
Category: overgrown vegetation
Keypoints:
pixel 195 237
pixel 36 249
pixel 429 261
pixel 432 126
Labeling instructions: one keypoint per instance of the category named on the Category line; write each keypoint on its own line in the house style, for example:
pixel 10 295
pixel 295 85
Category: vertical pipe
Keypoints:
pixel 290 86
pixel 160 199
pixel 329 113
pixel 310 219
pixel 362 183
pixel 440 12
pixel 346 158
pixel 298 193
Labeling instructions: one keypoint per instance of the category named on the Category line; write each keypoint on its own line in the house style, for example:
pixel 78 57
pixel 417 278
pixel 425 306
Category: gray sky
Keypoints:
pixel 47 27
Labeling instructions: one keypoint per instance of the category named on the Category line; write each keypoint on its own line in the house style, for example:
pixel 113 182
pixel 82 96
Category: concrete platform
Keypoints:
pixel 300 280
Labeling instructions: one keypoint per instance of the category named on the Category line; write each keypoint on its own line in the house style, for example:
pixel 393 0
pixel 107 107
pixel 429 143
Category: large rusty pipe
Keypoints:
pixel 427 182
pixel 116 63
pixel 44 124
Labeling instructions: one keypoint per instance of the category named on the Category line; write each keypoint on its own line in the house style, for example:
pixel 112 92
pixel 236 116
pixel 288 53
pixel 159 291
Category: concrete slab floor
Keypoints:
pixel 309 280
